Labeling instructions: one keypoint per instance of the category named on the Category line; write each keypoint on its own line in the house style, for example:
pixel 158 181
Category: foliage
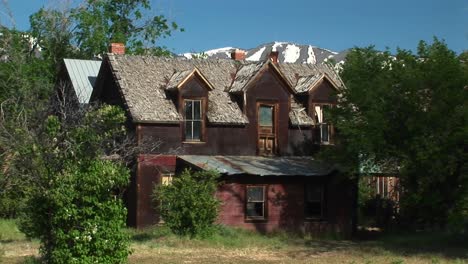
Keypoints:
pixel 24 91
pixel 188 205
pixel 73 204
pixel 87 30
pixel 119 21
pixel 408 114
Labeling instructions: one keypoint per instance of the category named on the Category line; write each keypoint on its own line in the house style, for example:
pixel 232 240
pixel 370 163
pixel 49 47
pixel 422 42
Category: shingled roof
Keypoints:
pixel 143 81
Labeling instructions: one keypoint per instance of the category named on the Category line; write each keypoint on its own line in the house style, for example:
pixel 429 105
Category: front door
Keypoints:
pixel 266 129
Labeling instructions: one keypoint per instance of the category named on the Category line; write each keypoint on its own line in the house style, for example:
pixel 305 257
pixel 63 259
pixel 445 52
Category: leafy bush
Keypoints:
pixel 188 205
pixel 73 205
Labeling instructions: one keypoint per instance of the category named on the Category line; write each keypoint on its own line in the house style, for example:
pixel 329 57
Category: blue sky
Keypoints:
pixel 332 24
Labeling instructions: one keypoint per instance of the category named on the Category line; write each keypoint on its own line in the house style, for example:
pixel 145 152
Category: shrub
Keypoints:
pixel 73 204
pixel 188 205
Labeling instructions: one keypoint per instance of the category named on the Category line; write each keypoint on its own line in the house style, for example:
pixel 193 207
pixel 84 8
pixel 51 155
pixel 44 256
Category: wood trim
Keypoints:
pixel 200 75
pixel 265 204
pixel 262 70
pixel 204 104
pixel 323 205
pixel 275 106
pixel 319 81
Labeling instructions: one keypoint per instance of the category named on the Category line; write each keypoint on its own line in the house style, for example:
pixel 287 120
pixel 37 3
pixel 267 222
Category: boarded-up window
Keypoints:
pixel 255 202
pixel 193 120
pixel 314 201
pixel 166 178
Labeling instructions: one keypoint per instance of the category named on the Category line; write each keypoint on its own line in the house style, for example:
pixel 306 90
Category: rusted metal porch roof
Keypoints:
pixel 259 165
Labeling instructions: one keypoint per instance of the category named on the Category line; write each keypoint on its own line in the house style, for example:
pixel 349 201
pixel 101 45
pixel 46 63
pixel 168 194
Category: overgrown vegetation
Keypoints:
pixel 407 113
pixel 188 205
pixel 231 245
pixel 30 61
pixel 73 205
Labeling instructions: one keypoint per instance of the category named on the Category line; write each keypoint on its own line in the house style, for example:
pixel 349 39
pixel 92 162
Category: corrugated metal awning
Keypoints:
pixel 261 166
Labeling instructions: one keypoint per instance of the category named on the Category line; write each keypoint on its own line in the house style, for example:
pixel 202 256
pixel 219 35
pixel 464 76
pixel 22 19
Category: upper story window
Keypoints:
pixel 266 129
pixel 324 128
pixel 193 120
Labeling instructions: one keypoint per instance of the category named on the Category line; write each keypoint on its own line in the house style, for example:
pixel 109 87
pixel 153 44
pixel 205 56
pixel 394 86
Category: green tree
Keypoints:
pixel 87 30
pixel 23 92
pixel 127 21
pixel 73 204
pixel 188 205
pixel 408 114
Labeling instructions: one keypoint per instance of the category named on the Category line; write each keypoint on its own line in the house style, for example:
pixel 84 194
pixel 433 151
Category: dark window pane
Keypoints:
pixel 324 131
pixel 313 209
pixel 255 194
pixel 266 115
pixel 197 110
pixel 314 203
pixel 255 210
pixel 188 130
pixel 188 109
pixel 314 193
pixel 196 130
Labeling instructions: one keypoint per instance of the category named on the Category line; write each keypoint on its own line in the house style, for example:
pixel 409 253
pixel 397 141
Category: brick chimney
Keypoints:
pixel 274 56
pixel 117 48
pixel 238 54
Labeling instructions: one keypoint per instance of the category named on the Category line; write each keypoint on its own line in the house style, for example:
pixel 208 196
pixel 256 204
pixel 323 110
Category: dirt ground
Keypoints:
pixel 312 252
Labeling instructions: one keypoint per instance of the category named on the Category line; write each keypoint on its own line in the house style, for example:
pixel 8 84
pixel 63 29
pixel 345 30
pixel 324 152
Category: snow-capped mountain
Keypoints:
pixel 288 53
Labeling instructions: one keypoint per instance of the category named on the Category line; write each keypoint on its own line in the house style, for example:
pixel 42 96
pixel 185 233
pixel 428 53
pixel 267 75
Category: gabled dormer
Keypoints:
pixel 319 91
pixel 190 90
pixel 267 103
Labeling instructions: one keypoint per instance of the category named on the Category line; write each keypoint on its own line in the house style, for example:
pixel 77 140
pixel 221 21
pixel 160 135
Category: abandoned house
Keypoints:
pixel 257 123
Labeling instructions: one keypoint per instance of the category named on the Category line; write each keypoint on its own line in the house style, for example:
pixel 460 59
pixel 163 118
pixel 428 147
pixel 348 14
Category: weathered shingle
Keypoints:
pixel 299 75
pixel 177 78
pixel 143 81
pixel 298 115
pixel 244 76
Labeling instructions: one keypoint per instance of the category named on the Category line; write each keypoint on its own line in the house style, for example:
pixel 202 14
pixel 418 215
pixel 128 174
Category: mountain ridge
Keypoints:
pixel 288 52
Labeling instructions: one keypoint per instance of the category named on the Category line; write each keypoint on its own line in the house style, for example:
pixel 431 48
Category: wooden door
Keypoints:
pixel 266 129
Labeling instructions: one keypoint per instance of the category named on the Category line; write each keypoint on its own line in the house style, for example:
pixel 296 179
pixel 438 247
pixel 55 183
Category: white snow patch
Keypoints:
pixel 311 56
pixel 291 53
pixel 187 55
pixel 331 51
pixel 220 50
pixel 257 55
pixel 277 44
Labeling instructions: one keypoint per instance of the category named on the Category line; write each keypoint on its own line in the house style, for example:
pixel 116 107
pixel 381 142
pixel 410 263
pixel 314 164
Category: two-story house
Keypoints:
pixel 257 123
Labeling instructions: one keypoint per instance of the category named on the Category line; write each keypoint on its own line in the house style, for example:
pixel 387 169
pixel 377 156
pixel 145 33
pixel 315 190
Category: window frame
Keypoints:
pixel 321 123
pixel 322 215
pixel 185 139
pixel 274 127
pixel 265 204
pixel 166 178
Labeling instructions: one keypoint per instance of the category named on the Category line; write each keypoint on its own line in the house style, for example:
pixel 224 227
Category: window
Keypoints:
pixel 193 120
pixel 266 129
pixel 324 128
pixel 314 201
pixel 166 179
pixel 266 115
pixel 255 203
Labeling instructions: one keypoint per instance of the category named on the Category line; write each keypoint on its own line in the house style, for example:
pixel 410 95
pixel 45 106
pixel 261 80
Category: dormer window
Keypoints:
pixel 193 120
pixel 323 127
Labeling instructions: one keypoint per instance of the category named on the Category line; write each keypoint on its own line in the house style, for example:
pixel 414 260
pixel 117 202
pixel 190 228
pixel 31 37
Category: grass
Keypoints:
pixel 229 245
